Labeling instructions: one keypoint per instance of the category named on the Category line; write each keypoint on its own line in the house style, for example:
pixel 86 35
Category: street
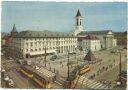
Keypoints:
pixel 19 80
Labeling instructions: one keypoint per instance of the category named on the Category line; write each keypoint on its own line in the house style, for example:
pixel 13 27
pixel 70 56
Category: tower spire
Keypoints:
pixel 14 31
pixel 78 13
pixel 14 28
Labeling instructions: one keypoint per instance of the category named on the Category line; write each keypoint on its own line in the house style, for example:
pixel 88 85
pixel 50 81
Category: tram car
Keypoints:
pixel 84 70
pixel 37 78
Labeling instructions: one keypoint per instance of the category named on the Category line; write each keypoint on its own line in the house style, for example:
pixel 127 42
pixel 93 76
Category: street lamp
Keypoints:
pixel 68 64
pixel 69 82
pixel 119 68
pixel 45 56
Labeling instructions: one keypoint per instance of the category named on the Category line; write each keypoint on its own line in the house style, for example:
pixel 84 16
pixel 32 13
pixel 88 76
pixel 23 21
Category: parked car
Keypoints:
pixel 114 51
pixel 72 53
pixel 10 83
pixel 10 58
pixel 125 48
pixel 2 54
pixel 6 78
pixel 53 57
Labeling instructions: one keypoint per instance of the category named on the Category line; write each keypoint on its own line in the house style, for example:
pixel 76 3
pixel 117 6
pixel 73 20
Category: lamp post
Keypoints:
pixel 45 56
pixel 68 64
pixel 119 69
pixel 45 49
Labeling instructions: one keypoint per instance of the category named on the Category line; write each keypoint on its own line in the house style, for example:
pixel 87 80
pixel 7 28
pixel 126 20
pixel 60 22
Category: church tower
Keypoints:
pixel 78 26
pixel 14 31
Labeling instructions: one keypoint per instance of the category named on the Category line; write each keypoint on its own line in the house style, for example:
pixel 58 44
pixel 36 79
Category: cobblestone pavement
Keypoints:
pixel 109 60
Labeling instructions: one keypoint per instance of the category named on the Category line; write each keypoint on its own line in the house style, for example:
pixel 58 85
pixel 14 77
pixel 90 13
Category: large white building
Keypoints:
pixel 34 43
pixel 90 42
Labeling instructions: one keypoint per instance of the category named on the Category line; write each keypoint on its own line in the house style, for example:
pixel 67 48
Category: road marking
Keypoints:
pixel 94 86
pixel 90 85
pixel 99 86
pixel 58 83
pixel 90 82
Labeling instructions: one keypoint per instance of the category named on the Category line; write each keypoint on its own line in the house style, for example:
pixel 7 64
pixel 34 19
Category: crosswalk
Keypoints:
pixel 92 84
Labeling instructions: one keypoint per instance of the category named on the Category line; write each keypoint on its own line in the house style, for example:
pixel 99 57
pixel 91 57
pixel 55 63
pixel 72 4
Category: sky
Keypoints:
pixel 60 16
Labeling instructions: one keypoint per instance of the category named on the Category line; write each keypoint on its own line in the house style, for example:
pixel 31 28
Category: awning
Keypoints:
pixel 42 52
pixel 46 72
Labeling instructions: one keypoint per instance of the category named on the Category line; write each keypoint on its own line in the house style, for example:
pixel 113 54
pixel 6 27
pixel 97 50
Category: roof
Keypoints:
pixel 91 37
pixel 88 37
pixel 78 13
pixel 41 72
pixel 45 33
pixel 95 32
pixel 90 56
pixel 45 73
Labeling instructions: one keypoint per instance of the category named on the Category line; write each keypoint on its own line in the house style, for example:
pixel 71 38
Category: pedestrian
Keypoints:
pixel 54 70
pixel 62 65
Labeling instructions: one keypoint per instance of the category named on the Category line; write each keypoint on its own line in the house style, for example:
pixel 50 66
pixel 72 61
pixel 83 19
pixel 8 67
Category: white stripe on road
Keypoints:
pixel 99 86
pixel 96 85
pixel 103 87
pixel 92 85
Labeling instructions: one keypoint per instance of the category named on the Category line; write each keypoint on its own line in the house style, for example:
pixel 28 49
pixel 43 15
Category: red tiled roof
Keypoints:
pixel 91 37
pixel 88 37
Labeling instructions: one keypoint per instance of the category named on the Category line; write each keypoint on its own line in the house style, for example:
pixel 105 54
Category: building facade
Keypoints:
pixel 34 43
pixel 90 42
pixel 106 37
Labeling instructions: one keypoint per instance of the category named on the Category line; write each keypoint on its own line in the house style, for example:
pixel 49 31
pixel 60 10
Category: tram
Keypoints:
pixel 38 79
pixel 81 72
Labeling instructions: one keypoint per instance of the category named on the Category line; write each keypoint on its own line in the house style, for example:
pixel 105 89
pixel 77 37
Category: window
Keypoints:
pixel 31 50
pixel 31 44
pixel 27 44
pixel 40 43
pixel 27 50
pixel 36 43
pixel 95 47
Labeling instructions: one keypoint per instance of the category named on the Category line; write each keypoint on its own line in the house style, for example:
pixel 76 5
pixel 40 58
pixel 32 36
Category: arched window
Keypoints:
pixel 80 22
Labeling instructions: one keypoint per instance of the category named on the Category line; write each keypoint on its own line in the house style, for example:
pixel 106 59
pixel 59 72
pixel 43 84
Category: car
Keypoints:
pixel 10 83
pixel 53 57
pixel 113 51
pixel 10 58
pixel 6 78
pixel 125 48
pixel 2 54
pixel 72 53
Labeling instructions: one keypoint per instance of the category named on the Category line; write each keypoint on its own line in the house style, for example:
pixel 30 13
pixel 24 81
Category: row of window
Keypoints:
pixel 31 50
pixel 36 39
pixel 49 43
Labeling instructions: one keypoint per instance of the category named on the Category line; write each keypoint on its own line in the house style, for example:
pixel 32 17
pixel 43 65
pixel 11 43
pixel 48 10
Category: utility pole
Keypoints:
pixel 68 64
pixel 45 56
pixel 69 82
pixel 120 67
